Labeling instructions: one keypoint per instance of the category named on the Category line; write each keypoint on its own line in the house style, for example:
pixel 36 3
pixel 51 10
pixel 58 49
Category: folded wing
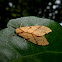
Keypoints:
pixel 39 40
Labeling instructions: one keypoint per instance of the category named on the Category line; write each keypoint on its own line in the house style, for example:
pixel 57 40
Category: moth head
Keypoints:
pixel 18 31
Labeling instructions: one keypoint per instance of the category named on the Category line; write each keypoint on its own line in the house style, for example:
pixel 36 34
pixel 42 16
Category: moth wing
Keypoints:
pixel 41 40
pixel 39 30
pixel 27 36
pixel 25 29
pixel 36 30
pixel 29 29
pixel 34 39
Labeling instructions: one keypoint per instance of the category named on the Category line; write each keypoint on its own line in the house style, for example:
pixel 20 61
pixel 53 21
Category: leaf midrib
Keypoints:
pixel 43 52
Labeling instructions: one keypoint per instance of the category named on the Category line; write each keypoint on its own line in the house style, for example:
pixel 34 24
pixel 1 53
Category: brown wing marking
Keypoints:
pixel 41 40
pixel 42 30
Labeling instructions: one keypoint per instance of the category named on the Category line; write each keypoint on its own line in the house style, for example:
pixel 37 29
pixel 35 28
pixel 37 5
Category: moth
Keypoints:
pixel 34 34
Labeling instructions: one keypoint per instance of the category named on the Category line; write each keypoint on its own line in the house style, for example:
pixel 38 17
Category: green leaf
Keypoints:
pixel 15 49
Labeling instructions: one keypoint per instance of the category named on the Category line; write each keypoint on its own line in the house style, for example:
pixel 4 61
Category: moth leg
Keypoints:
pixel 21 22
pixel 25 40
pixel 12 35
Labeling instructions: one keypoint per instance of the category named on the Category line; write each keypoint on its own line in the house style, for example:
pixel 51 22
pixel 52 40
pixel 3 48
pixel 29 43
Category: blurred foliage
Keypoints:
pixel 10 9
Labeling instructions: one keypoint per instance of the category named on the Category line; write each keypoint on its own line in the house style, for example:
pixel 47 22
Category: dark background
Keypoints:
pixel 10 9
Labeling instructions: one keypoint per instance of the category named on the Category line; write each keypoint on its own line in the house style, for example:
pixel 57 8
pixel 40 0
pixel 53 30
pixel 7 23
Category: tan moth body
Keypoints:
pixel 34 34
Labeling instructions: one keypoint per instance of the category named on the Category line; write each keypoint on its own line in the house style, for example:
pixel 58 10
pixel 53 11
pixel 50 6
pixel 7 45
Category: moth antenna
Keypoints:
pixel 12 35
pixel 21 22
pixel 13 26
